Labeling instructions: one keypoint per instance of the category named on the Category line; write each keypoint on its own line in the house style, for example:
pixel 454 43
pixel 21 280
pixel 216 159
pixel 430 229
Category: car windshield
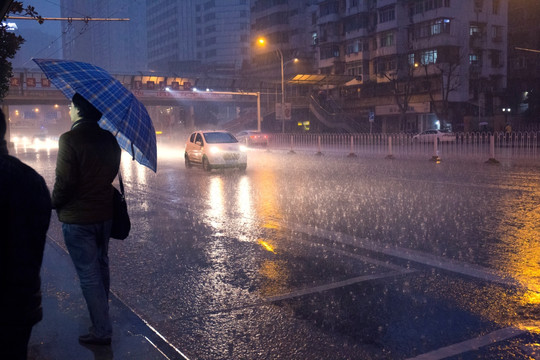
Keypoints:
pixel 219 137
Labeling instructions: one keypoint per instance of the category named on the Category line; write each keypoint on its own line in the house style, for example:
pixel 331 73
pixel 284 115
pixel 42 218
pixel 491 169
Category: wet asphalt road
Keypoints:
pixel 305 257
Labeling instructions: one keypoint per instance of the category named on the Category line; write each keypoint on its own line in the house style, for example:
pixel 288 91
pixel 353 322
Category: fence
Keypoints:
pixel 499 145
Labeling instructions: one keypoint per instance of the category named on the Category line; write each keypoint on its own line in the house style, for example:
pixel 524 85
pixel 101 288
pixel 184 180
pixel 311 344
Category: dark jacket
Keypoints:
pixel 87 163
pixel 25 212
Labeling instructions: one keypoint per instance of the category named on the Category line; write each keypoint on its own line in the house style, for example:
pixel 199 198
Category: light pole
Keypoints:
pixel 262 42
pixel 282 91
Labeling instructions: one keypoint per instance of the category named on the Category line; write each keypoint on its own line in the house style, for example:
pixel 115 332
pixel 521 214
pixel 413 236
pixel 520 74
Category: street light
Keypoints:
pixel 262 42
pixel 506 111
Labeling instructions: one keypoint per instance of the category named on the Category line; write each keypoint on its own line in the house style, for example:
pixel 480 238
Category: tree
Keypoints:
pixel 442 78
pixel 11 43
pixel 402 87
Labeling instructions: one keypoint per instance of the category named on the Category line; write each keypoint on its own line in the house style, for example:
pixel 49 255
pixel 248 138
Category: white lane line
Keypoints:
pixel 470 345
pixel 335 285
pixel 459 267
pixel 356 256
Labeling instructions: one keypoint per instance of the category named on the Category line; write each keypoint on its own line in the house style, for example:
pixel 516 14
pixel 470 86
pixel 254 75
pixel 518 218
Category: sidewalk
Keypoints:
pixel 65 317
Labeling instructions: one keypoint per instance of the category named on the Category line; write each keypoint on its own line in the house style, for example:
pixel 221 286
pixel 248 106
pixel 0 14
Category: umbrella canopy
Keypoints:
pixel 123 115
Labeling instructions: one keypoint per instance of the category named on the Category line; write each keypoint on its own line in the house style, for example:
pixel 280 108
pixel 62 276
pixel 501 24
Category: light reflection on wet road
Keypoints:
pixel 325 258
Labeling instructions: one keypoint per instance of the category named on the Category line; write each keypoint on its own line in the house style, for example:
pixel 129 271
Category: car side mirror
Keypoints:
pixel 198 143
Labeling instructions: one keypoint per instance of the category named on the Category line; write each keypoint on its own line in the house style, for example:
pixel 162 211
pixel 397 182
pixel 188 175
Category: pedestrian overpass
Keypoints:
pixel 169 99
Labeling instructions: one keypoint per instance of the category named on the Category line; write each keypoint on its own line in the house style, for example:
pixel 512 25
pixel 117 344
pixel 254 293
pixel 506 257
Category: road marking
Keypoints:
pixel 470 345
pixel 455 266
pixel 335 285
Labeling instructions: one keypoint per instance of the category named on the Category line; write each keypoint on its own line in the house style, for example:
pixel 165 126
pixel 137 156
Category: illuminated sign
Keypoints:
pixel 10 26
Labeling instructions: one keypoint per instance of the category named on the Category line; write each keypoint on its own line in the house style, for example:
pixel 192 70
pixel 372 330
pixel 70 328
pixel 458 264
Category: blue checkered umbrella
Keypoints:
pixel 123 114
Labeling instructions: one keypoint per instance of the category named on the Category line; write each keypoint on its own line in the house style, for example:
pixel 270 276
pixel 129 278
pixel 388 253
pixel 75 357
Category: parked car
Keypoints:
pixel 432 134
pixel 252 138
pixel 215 149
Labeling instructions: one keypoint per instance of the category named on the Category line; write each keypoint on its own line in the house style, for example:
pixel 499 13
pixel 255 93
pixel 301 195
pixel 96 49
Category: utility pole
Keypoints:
pixel 86 19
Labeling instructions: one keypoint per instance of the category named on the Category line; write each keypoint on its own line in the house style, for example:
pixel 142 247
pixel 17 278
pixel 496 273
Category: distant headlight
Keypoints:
pixel 243 148
pixel 214 149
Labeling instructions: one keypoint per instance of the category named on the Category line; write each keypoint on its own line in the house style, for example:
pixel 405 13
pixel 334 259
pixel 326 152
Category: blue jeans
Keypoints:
pixel 88 246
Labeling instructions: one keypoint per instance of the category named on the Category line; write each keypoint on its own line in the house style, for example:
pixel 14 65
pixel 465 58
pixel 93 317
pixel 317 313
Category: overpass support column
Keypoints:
pixel 190 118
pixel 5 110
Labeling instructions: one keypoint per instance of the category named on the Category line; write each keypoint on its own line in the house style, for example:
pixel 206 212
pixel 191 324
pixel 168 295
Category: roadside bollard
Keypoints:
pixel 390 156
pixel 435 156
pixel 492 159
pixel 319 153
pixel 352 154
pixel 292 142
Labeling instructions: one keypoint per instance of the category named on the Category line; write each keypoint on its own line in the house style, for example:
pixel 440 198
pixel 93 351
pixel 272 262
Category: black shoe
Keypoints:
pixel 91 339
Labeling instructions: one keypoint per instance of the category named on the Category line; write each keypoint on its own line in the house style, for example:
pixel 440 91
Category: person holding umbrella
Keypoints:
pixel 87 164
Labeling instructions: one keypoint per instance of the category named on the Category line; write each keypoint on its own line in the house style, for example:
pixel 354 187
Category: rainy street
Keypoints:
pixel 306 257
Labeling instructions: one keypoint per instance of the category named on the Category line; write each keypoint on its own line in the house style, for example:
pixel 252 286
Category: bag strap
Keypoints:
pixel 121 183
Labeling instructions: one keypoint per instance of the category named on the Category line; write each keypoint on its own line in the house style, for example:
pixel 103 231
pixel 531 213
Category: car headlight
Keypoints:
pixel 214 149
pixel 243 148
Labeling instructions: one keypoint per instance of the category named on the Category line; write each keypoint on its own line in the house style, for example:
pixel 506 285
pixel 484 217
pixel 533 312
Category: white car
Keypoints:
pixel 215 149
pixel 432 134
pixel 252 138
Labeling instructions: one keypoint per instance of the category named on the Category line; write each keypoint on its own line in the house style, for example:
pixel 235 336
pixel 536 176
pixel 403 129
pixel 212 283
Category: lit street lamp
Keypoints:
pixel 506 111
pixel 262 42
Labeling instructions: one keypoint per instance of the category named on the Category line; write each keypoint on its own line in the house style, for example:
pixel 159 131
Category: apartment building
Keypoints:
pixel 289 29
pixel 523 98
pixel 114 45
pixel 222 32
pixel 416 64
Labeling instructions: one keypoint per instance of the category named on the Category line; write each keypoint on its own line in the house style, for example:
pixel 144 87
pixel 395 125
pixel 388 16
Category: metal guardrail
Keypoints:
pixel 479 145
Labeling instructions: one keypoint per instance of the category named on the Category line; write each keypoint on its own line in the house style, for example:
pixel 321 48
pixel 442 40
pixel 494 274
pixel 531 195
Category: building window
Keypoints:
pixel 384 65
pixel 410 59
pixel 428 57
pixel 329 52
pixel 475 30
pixel 497 33
pixel 356 46
pixel 209 17
pixel 431 28
pixel 495 56
pixel 387 14
pixel 478 5
pixel 496 6
pixel 475 59
pixel 329 8
pixel 387 39
pixel 420 6
pixel 354 69
pixel 209 4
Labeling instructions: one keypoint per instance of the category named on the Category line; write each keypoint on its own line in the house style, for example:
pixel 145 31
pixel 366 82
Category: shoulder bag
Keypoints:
pixel 121 224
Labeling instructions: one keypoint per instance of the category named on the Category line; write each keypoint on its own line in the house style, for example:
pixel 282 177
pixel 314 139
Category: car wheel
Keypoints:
pixel 187 162
pixel 206 165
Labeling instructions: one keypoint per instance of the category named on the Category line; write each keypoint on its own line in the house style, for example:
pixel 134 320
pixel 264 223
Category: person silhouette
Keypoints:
pixel 25 213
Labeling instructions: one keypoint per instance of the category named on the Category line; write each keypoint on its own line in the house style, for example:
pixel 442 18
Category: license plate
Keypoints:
pixel 230 156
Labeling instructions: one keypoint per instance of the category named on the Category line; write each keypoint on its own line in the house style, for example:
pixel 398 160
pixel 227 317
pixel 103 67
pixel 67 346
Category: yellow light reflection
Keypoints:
pixel 216 201
pixel 518 256
pixel 244 198
pixel 276 278
pixel 267 246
